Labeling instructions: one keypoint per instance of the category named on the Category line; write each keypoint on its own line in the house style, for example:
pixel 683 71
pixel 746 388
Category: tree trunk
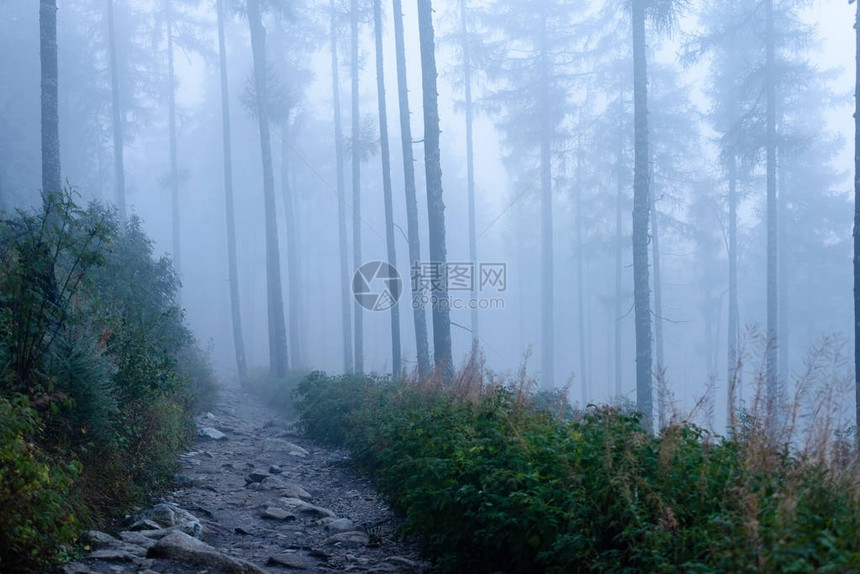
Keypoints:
pixel 356 186
pixel 119 168
pixel 293 263
pixel 772 231
pixel 619 207
pixel 733 367
pixel 386 182
pixel 547 272
pixel 51 182
pixel 345 277
pixel 174 167
pixel 857 225
pixel 470 162
pixel 435 205
pixel 277 327
pixel 238 340
pixel 641 206
pixel 580 296
pixel 662 391
pixel 418 314
pixel 784 334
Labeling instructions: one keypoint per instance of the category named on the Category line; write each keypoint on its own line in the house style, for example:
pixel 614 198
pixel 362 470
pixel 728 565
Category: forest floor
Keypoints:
pixel 259 497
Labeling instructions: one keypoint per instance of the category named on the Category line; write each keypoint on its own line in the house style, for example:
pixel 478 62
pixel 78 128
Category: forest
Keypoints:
pixel 540 266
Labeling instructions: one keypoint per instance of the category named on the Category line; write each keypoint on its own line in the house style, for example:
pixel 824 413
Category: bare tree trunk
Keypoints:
pixel 356 186
pixel 345 277
pixel 293 263
pixel 470 161
pixel 174 162
pixel 238 340
pixel 435 205
pixel 619 207
pixel 641 208
pixel 51 182
pixel 733 371
pixel 658 311
pixel 547 264
pixel 119 168
pixel 386 182
pixel 781 277
pixel 580 254
pixel 857 225
pixel 418 314
pixel 277 328
pixel 772 231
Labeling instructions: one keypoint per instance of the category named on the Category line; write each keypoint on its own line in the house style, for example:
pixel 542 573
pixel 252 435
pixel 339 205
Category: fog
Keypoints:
pixel 552 100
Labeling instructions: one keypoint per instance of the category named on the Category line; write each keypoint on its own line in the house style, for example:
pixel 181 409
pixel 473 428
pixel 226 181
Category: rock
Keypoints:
pixel 288 561
pixel 275 469
pixel 211 433
pixel 184 548
pixel 96 538
pixel 340 525
pixel 136 538
pixel 183 481
pixel 256 476
pixel 402 562
pixel 209 416
pixel 287 488
pixel 113 555
pixel 275 513
pixel 300 505
pixel 76 568
pixel 279 444
pixel 352 538
pixel 167 515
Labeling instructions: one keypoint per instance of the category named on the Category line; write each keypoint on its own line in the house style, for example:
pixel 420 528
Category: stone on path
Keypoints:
pixel 300 505
pixel 352 538
pixel 184 548
pixel 275 513
pixel 212 433
pixel 279 444
pixel 288 561
pixel 287 488
pixel 340 525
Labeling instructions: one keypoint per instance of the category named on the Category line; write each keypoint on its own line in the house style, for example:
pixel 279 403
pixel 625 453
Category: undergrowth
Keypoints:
pixel 489 480
pixel 99 376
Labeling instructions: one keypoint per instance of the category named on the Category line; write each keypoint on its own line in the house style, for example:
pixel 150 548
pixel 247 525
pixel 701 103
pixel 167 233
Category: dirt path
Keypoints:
pixel 259 498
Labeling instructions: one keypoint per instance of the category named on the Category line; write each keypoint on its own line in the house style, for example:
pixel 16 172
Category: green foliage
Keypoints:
pixel 98 373
pixel 495 483
pixel 36 517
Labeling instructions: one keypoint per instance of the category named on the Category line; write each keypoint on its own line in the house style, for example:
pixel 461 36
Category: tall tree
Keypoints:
pixel 857 224
pixel 772 218
pixel 356 180
pixel 173 178
pixel 433 175
pixel 235 311
pixel 277 327
pixel 641 209
pixel 345 278
pixel 293 257
pixel 386 180
pixel 418 312
pixel 51 182
pixel 465 40
pixel 119 167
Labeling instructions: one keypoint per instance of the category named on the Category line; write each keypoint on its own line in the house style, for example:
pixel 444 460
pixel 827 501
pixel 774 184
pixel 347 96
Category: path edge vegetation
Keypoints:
pixel 491 476
pixel 99 376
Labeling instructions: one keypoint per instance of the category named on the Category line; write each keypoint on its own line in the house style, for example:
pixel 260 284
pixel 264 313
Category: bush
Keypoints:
pixel 492 482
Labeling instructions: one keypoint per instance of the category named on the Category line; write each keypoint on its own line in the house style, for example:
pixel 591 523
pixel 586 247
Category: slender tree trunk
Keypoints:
pixel 277 328
pixel 857 225
pixel 238 340
pixel 580 296
pixel 781 278
pixel 51 182
pixel 435 205
pixel 345 277
pixel 619 208
pixel 733 370
pixel 293 263
pixel 119 168
pixel 772 231
pixel 386 182
pixel 174 162
pixel 418 314
pixel 470 161
pixel 641 205
pixel 547 271
pixel 662 415
pixel 356 186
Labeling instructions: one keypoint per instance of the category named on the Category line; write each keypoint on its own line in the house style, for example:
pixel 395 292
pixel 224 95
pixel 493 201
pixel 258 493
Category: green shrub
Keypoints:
pixel 490 482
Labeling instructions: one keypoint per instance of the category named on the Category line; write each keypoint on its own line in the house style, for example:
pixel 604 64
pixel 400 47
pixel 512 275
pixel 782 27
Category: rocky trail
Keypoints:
pixel 256 496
